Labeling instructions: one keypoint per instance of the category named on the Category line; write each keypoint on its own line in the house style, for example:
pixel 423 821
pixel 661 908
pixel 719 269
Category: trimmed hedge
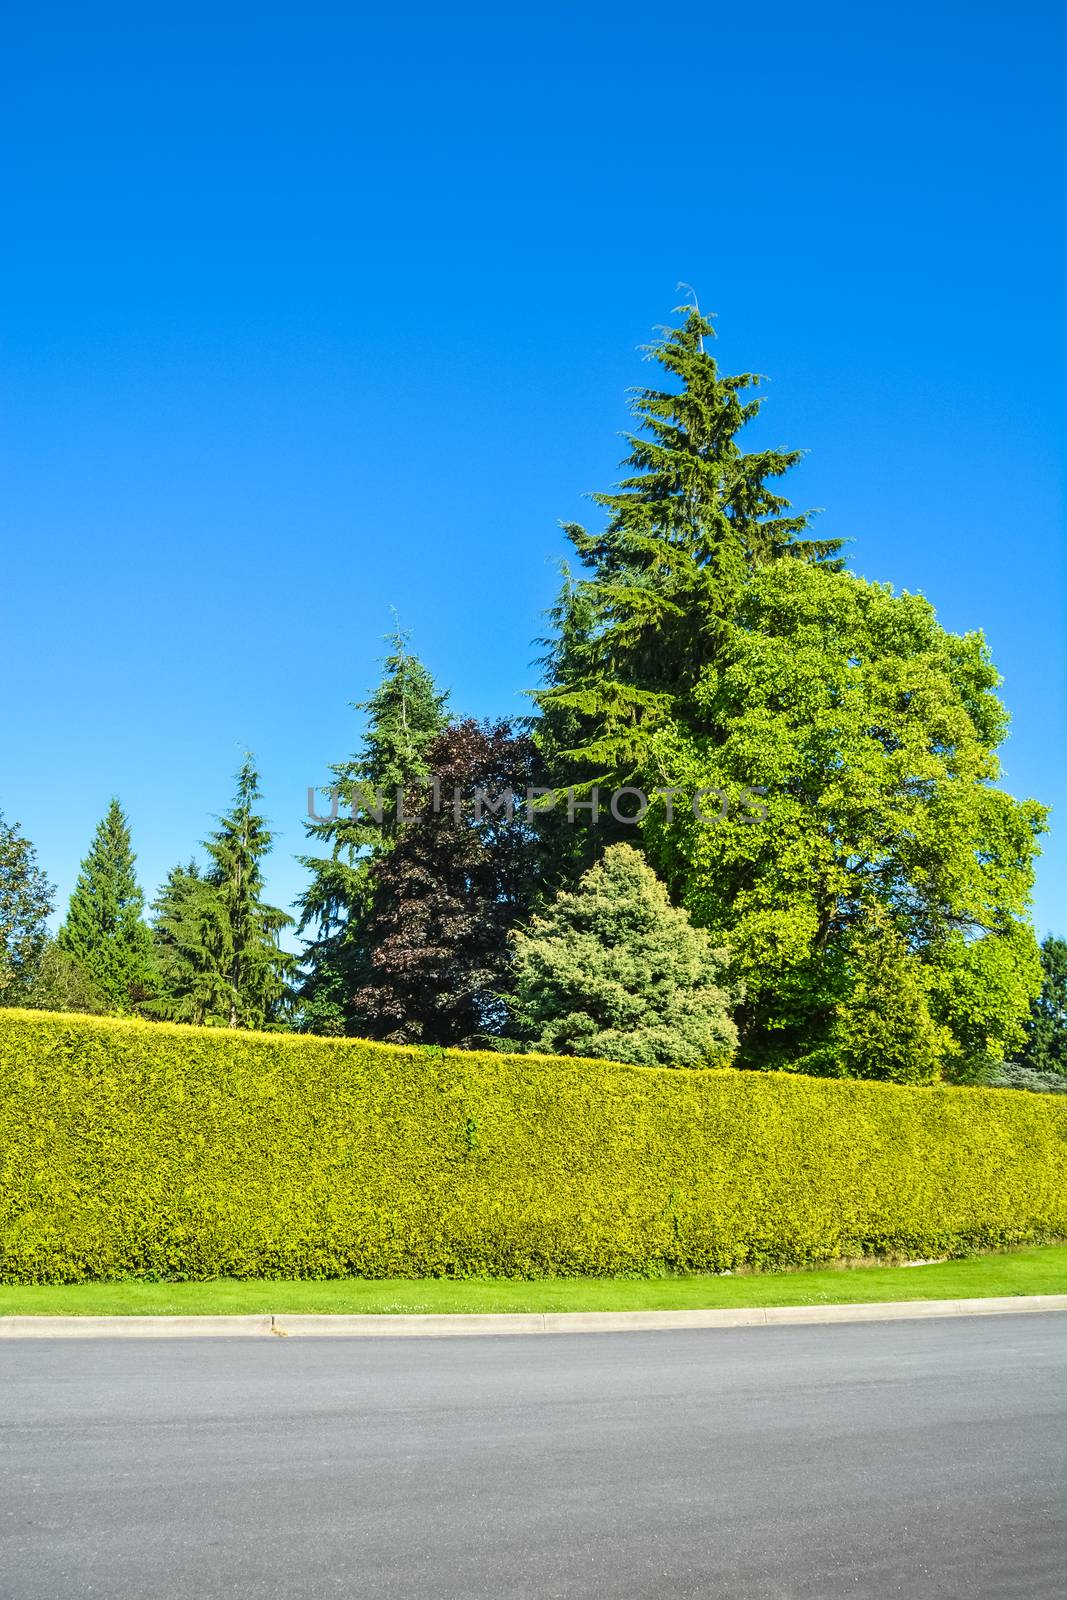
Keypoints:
pixel 153 1150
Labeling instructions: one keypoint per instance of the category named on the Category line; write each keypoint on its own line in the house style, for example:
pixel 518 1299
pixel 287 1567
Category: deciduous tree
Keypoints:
pixel 26 902
pixel 874 733
pixel 445 895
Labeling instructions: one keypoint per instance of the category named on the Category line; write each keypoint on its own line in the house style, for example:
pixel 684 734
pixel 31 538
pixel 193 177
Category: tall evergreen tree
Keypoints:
pixel 26 901
pixel 696 514
pixel 404 715
pixel 183 925
pixel 105 931
pixel 247 972
pixel 1045 1046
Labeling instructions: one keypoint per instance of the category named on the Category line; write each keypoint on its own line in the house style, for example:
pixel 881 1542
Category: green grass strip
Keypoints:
pixel 1035 1271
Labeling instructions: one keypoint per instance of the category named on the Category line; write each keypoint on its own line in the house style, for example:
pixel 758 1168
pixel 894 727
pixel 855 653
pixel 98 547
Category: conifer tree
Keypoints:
pixel 696 514
pixel 105 931
pixel 883 1028
pixel 612 969
pixel 246 972
pixel 184 917
pixel 404 715
pixel 1045 1046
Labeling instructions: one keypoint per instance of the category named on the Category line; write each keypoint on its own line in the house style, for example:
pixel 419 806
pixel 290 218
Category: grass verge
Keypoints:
pixel 1036 1271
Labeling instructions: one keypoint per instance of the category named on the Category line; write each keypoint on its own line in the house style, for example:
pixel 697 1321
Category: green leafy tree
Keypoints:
pixel 874 734
pixel 695 516
pixel 247 974
pixel 1045 1046
pixel 26 902
pixel 404 715
pixel 612 969
pixel 105 931
pixel 60 984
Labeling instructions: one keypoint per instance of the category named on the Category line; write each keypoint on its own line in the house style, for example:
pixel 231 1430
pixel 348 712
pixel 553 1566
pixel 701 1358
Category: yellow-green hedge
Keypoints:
pixel 145 1149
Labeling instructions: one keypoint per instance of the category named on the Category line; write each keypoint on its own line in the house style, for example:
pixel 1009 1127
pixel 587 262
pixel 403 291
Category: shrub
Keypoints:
pixel 144 1149
pixel 1013 1075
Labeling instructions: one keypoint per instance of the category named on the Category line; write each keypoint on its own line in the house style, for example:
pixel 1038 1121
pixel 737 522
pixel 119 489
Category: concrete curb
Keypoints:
pixel 392 1326
pixel 134 1327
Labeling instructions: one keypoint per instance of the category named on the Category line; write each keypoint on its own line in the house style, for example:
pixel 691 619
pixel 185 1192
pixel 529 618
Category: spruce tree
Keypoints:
pixel 1045 1046
pixel 247 972
pixel 404 715
pixel 612 969
pixel 184 919
pixel 105 931
pixel 694 517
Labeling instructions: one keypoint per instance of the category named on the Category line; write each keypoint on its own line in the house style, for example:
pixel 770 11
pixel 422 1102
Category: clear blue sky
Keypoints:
pixel 312 311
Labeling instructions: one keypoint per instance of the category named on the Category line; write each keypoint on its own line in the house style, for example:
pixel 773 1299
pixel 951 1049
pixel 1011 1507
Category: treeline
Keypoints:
pixel 813 868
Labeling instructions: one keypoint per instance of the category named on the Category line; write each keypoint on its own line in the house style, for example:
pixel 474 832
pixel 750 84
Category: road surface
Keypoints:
pixel 913 1459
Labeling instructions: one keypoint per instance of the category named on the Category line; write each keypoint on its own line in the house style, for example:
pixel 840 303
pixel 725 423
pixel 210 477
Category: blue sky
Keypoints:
pixel 313 312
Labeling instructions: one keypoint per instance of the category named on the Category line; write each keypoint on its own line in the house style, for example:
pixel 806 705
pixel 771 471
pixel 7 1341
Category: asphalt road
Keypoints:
pixel 913 1459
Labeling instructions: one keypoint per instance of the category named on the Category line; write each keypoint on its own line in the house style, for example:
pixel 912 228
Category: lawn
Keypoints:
pixel 1037 1271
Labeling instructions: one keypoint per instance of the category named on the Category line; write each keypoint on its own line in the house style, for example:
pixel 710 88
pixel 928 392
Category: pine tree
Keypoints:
pixel 694 517
pixel 105 931
pixel 404 715
pixel 612 969
pixel 26 901
pixel 247 972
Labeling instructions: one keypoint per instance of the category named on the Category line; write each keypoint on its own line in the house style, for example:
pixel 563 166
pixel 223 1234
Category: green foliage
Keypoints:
pixel 883 1028
pixel 105 931
pixel 874 735
pixel 694 518
pixel 26 902
pixel 613 969
pixel 135 1149
pixel 184 917
pixel 404 715
pixel 1010 1075
pixel 247 970
pixel 60 983
pixel 1045 1046
pixel 216 938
